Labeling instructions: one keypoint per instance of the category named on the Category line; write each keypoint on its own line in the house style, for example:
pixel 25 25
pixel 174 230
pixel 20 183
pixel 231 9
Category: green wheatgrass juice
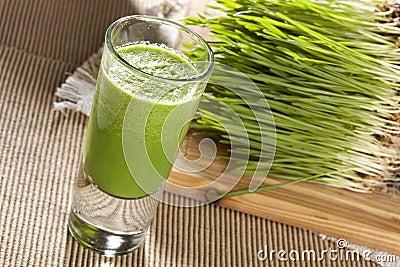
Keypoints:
pixel 145 106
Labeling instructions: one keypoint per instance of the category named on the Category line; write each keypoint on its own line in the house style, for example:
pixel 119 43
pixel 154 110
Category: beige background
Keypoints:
pixel 40 42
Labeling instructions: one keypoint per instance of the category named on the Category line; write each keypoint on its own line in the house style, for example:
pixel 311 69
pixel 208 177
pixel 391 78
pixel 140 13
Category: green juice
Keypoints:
pixel 136 123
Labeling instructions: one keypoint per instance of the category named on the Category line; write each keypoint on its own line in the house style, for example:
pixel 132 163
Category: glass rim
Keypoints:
pixel 210 55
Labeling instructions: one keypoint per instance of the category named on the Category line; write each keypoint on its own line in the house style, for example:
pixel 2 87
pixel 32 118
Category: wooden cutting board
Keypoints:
pixel 363 218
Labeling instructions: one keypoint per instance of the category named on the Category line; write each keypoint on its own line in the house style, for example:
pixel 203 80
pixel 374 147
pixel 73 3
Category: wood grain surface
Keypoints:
pixel 368 219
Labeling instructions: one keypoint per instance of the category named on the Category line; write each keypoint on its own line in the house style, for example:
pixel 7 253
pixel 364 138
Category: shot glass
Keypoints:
pixel 148 89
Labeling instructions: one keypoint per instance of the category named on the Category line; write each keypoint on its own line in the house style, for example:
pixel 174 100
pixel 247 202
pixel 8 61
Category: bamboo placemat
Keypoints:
pixel 39 153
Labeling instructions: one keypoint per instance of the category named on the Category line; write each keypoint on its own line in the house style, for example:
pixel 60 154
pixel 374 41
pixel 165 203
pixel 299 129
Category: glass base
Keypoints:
pixel 106 224
pixel 109 243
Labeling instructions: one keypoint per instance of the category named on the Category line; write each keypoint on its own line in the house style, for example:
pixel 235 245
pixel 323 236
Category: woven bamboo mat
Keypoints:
pixel 40 41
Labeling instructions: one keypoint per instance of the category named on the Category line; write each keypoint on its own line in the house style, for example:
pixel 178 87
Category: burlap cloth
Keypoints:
pixel 41 41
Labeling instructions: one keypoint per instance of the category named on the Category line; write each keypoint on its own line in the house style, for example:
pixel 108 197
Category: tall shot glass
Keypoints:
pixel 146 92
